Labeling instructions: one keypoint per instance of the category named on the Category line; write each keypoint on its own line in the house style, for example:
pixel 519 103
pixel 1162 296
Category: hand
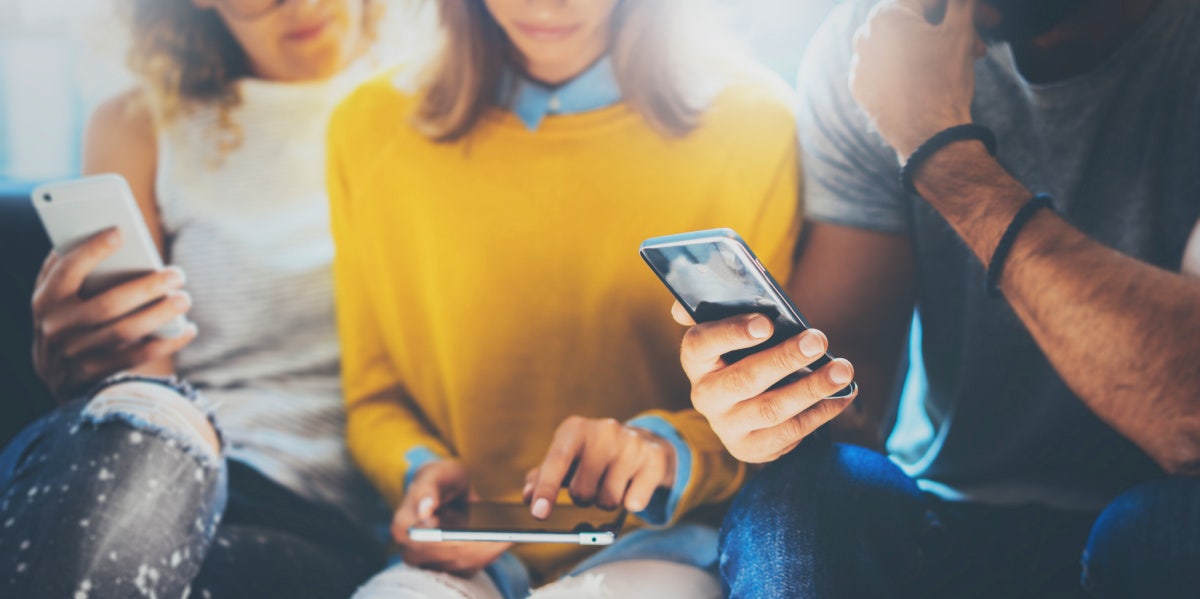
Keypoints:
pixel 604 463
pixel 754 424
pixel 440 485
pixel 913 78
pixel 79 341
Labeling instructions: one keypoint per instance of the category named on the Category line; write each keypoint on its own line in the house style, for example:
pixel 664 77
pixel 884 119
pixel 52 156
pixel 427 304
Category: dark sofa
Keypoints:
pixel 23 246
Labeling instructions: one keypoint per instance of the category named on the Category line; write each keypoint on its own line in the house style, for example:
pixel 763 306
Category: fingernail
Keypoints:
pixel 527 489
pixel 113 238
pixel 811 344
pixel 541 508
pixel 425 507
pixel 759 327
pixel 840 372
pixel 181 299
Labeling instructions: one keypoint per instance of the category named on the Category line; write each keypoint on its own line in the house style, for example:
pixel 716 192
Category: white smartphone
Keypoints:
pixel 75 210
pixel 512 523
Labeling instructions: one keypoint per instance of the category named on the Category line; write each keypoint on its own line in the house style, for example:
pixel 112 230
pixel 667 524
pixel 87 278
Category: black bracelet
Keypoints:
pixel 940 140
pixel 996 265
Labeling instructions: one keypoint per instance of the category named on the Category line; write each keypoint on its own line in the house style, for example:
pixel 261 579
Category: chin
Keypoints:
pixel 321 63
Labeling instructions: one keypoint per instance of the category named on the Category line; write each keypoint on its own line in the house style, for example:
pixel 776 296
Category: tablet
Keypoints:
pixel 512 523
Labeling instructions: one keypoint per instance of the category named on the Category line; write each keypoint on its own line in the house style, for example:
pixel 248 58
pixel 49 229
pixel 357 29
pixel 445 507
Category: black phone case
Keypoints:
pixel 786 317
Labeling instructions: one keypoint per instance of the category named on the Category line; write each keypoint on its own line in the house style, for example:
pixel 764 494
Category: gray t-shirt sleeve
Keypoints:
pixel 851 176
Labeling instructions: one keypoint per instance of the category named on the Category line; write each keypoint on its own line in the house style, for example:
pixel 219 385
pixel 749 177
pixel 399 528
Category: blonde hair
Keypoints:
pixel 655 51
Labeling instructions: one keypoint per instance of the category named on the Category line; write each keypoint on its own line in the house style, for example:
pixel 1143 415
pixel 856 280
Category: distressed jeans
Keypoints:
pixel 833 520
pixel 98 503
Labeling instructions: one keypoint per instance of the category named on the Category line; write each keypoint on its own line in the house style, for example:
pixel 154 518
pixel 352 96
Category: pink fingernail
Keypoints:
pixel 759 328
pixel 425 507
pixel 811 345
pixel 840 372
pixel 541 508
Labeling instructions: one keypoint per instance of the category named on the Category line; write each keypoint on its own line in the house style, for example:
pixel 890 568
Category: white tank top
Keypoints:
pixel 250 228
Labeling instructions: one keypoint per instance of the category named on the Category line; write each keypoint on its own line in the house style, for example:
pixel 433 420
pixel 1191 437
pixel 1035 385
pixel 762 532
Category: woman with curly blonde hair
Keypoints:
pixel 235 483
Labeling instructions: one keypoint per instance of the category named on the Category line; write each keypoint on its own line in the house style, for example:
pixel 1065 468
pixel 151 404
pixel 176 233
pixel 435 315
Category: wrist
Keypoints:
pixel 420 459
pixel 975 195
pixel 908 144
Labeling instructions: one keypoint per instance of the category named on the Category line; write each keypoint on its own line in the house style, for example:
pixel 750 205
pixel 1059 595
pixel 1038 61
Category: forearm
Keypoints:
pixel 1123 335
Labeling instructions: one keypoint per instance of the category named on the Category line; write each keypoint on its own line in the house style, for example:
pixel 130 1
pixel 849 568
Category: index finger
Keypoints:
pixel 561 456
pixel 705 343
pixel 67 275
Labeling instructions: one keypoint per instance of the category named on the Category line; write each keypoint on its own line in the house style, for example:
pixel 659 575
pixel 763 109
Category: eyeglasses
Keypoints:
pixel 251 8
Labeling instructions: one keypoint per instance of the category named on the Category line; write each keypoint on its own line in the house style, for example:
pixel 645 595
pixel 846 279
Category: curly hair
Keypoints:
pixel 186 57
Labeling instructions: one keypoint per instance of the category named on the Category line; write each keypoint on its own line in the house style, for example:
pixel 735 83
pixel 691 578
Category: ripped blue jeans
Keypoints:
pixel 97 501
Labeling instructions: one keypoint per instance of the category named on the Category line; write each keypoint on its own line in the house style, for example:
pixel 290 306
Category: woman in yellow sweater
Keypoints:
pixel 497 324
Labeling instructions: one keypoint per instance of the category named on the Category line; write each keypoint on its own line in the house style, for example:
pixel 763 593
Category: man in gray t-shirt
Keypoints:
pixel 1062 411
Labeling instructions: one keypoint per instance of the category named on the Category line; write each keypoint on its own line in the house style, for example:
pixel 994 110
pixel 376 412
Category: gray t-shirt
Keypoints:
pixel 1118 148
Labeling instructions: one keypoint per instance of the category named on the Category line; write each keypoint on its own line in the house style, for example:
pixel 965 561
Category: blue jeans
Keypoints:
pixel 116 507
pixel 835 520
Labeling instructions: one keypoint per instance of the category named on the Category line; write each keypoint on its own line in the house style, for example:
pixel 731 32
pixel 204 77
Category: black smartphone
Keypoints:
pixel 714 274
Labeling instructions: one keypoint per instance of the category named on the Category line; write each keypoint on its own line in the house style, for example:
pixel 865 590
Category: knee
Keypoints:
pixel 814 489
pixel 154 409
pixel 1147 541
pixel 403 581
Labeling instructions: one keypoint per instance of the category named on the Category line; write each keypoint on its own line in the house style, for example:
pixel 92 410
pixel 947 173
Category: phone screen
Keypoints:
pixel 719 277
pixel 510 517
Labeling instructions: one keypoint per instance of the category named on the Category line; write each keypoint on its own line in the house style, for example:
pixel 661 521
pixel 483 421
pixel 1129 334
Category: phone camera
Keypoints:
pixel 47 197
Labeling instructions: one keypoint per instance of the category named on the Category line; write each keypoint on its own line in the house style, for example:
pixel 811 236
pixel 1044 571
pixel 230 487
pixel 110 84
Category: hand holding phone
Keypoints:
pixel 437 490
pixel 759 374
pixel 103 301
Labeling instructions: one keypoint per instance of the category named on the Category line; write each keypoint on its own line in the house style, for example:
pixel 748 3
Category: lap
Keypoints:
pixel 624 579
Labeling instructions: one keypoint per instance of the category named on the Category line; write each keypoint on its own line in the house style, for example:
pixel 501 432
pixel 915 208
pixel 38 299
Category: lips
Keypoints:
pixel 547 33
pixel 307 32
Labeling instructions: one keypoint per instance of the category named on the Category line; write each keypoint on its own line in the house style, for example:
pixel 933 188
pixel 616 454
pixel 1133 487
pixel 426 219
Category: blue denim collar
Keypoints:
pixel 593 89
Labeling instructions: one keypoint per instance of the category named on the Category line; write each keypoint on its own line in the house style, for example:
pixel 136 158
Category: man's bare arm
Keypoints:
pixel 1124 335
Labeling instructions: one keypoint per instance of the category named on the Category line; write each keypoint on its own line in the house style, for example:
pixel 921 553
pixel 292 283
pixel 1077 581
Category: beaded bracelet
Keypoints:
pixel 940 140
pixel 1000 256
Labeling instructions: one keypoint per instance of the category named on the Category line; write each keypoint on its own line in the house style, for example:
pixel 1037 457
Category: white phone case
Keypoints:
pixel 73 211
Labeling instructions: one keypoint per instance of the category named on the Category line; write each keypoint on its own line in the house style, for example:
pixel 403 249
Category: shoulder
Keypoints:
pixel 754 106
pixel 376 107
pixel 752 87
pixel 123 123
pixel 829 52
